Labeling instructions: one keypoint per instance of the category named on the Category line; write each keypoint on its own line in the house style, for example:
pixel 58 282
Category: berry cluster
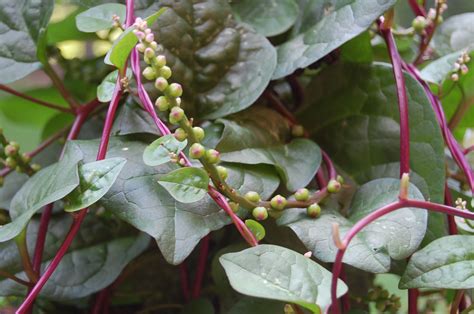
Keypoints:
pixel 460 66
pixel 383 301
pixel 434 16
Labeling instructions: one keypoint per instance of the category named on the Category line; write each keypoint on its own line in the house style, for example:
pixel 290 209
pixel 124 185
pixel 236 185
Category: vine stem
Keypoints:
pixel 425 40
pixel 204 251
pixel 60 87
pixel 361 224
pixel 417 8
pixel 14 278
pixel 35 100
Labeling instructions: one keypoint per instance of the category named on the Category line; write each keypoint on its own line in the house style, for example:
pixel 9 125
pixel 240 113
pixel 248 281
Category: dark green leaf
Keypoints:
pixel 186 185
pixel 257 229
pixel 96 178
pixel 352 113
pixel 20 23
pixel 161 150
pixel 100 17
pixel 133 119
pixel 454 34
pixel 198 306
pixel 339 22
pixel 396 235
pixel 268 17
pixel 223 66
pixel 277 273
pixel 257 306
pixel 106 89
pixel 446 263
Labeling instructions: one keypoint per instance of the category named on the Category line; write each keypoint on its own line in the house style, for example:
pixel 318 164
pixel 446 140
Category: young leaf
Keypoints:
pixel 396 235
pixel 446 263
pixel 257 229
pixel 160 151
pixel 96 178
pixel 341 21
pixel 21 21
pixel 106 88
pixel 268 17
pixel 122 47
pixel 454 34
pixel 100 17
pixel 277 273
pixel 186 185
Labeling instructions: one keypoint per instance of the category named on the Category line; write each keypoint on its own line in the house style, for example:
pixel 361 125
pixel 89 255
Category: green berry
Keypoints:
pixel 198 133
pixel 234 206
pixel 25 158
pixel 174 90
pixel 176 115
pixel 160 61
pixel 180 134
pixel 141 47
pixel 149 73
pixel 334 186
pixel 340 179
pixel 165 71
pixel 380 305
pixel 162 103
pixel 278 202
pixel 297 130
pixel 213 156
pixel 302 195
pixel 260 213
pixel 196 151
pixel 222 171
pixel 419 24
pixel 373 295
pixel 149 53
pixel 35 167
pixel 11 150
pixel 161 84
pixel 384 294
pixel 252 196
pixel 10 162
pixel 313 210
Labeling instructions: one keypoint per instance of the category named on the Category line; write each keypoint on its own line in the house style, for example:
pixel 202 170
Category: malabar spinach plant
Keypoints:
pixel 244 156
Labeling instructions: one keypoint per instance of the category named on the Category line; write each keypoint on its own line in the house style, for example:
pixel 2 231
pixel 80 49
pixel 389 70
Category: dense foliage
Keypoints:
pixel 252 156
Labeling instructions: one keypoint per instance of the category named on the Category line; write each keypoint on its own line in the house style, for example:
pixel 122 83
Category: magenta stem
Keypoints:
pixel 184 279
pixel 417 8
pixel 203 254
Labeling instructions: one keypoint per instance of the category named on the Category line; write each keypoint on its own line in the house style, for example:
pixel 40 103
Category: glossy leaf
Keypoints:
pixel 277 273
pixel 161 150
pixel 186 185
pixel 338 22
pixel 352 113
pixel 106 89
pixel 454 34
pixel 257 229
pixel 100 17
pixel 268 17
pixel 96 178
pixel 223 66
pixel 446 263
pixel 132 119
pixel 393 236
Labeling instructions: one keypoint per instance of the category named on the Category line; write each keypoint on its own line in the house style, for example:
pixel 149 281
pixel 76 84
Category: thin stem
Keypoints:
pixel 14 278
pixel 460 112
pixel 203 254
pixel 417 8
pixel 20 241
pixel 425 42
pixel 279 106
pixel 57 82
pixel 448 200
pixel 468 309
pixel 35 100
pixel 457 301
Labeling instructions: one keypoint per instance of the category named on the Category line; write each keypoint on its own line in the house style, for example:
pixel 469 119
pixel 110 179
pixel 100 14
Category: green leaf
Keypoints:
pixel 358 49
pixel 341 21
pixel 296 162
pixel 96 178
pixel 100 17
pixel 257 229
pixel 186 185
pixel 393 236
pixel 48 185
pixel 122 47
pixel 256 306
pixel 160 151
pixel 223 66
pixel 132 119
pixel 268 17
pixel 66 30
pixel 96 258
pixel 352 113
pixel 106 88
pixel 454 34
pixel 20 22
pixel 446 263
pixel 198 306
pixel 438 70
pixel 277 273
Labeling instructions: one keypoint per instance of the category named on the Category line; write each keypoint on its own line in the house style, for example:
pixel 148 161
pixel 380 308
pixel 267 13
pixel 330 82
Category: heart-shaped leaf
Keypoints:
pixel 454 34
pixel 162 150
pixel 96 178
pixel 100 17
pixel 277 273
pixel 186 185
pixel 446 263
pixel 438 70
pixel 396 235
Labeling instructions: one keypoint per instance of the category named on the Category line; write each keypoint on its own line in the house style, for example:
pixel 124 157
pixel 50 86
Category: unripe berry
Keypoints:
pixel 160 61
pixel 11 150
pixel 260 213
pixel 234 207
pixel 313 210
pixel 154 45
pixel 162 103
pixel 196 151
pixel 141 47
pixel 149 73
pixel 278 202
pixel 176 115
pixel 419 24
pixel 464 69
pixel 213 156
pixel 380 305
pixel 149 37
pixel 340 179
pixel 297 130
pixel 174 90
pixel 10 162
pixel 334 186
pixel 455 77
pixel 222 171
pixel 165 71
pixel 35 167
pixel 161 84
pixel 252 196
pixel 302 194
pixel 198 133
pixel 149 53
pixel 180 134
pixel 25 158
